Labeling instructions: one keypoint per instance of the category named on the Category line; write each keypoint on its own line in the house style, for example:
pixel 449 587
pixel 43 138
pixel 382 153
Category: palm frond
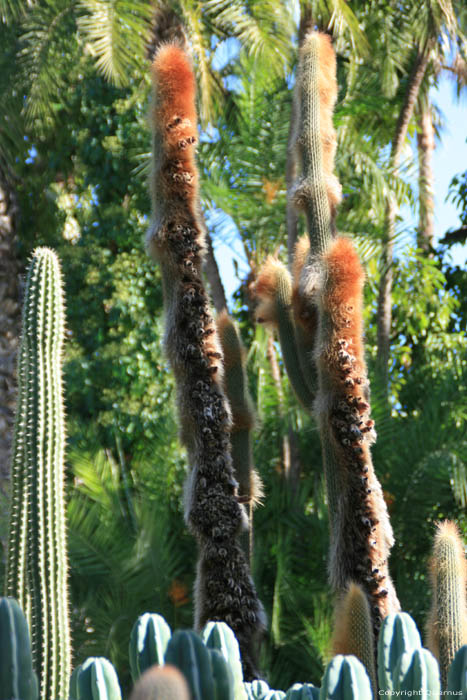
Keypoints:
pixel 116 33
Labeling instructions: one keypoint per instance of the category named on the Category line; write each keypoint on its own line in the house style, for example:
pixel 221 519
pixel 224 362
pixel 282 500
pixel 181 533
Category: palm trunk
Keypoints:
pixel 385 289
pixel 10 323
pixel 426 180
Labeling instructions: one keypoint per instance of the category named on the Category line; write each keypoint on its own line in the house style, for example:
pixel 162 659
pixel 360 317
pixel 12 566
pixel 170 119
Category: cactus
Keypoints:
pixel 345 678
pixel 273 288
pixel 302 691
pixel 329 287
pixel 158 683
pixel 148 643
pixel 95 679
pixel 224 589
pixel 353 630
pixel 17 678
pixel 274 695
pixel 417 671
pixel 187 652
pixel 218 635
pixel 457 675
pixel 37 551
pixel 398 635
pixel 243 420
pixel 447 622
pixel 256 690
pixel 222 676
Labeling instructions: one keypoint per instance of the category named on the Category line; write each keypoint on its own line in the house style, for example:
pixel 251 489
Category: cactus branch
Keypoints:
pixel 37 553
pixel 224 589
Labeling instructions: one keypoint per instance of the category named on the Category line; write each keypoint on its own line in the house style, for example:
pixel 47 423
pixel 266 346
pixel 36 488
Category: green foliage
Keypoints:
pixel 17 678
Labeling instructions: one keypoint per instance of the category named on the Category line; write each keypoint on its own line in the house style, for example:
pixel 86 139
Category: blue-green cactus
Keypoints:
pixel 256 690
pixel 222 676
pixel 17 678
pixel 398 635
pixel 187 652
pixel 457 674
pixel 218 635
pixel 274 695
pixel 345 678
pixel 148 643
pixel 417 671
pixel 302 691
pixel 95 679
pixel 37 566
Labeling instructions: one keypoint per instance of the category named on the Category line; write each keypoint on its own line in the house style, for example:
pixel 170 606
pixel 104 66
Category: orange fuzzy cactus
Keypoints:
pixel 361 535
pixel 224 589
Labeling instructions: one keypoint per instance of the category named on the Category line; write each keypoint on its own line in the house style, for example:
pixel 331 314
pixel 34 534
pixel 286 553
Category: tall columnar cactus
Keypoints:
pixel 329 289
pixel 447 622
pixel 224 589
pixel 243 420
pixel 37 549
pixel 353 630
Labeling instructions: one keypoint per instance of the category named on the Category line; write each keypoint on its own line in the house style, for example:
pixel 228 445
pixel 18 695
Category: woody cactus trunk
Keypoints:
pixel 323 346
pixel 224 588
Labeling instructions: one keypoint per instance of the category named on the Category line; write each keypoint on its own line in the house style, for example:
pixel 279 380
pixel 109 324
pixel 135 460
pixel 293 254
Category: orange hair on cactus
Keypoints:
pixel 361 534
pixel 265 290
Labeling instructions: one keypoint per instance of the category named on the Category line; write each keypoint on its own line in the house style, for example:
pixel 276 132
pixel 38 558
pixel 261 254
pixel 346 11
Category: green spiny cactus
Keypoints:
pixel 417 671
pixel 302 691
pixel 243 421
pixel 222 676
pixel 457 675
pixel 17 678
pixel 345 678
pixel 398 635
pixel 447 622
pixel 37 551
pixel 274 291
pixel 218 635
pixel 161 683
pixel 187 652
pixel 148 643
pixel 95 679
pixel 353 630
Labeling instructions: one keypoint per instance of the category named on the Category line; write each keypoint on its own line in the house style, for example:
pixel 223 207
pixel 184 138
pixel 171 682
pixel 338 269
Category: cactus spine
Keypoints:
pixel 224 589
pixel 353 630
pixel 447 623
pixel 37 551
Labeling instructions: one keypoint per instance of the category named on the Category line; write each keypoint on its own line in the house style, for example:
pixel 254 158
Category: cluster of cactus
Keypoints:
pixel 184 665
pixel 319 320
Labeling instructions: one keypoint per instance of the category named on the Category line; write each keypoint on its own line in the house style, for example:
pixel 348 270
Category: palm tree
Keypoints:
pixel 433 26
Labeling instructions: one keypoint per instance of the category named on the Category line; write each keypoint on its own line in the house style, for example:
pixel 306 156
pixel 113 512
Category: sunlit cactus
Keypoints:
pixel 447 622
pixel 224 589
pixel 37 566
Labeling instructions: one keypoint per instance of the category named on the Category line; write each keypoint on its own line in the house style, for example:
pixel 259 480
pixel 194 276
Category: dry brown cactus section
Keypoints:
pixel 361 534
pixel 224 589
